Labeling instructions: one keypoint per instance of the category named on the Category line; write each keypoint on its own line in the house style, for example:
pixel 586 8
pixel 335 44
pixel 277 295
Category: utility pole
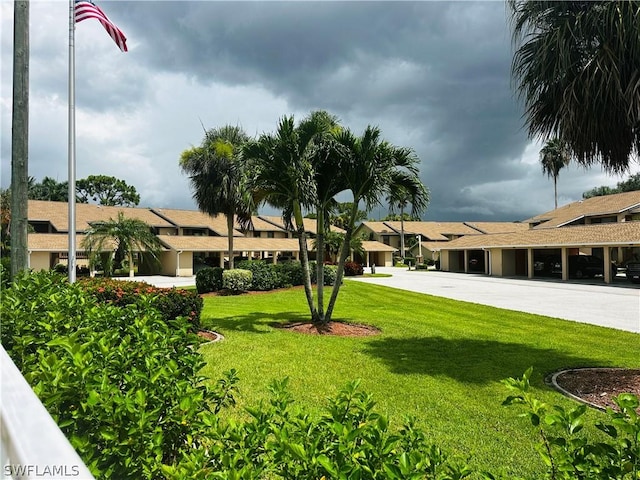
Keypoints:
pixel 20 138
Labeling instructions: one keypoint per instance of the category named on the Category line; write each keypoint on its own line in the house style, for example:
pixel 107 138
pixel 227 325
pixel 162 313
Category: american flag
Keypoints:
pixel 85 9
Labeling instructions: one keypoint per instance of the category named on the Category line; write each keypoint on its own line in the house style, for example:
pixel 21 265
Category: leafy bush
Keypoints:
pixel 265 275
pixel 290 273
pixel 422 266
pixel 171 302
pixel 351 269
pixel 122 383
pixel 237 280
pixel 209 279
pixel 569 454
pixel 5 272
pixel 330 273
pixel 351 440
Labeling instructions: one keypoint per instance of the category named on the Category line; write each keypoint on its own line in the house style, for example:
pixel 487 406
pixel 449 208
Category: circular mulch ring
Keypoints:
pixel 209 336
pixel 597 386
pixel 340 329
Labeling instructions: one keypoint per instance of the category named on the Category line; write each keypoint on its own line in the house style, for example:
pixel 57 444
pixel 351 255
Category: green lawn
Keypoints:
pixel 436 359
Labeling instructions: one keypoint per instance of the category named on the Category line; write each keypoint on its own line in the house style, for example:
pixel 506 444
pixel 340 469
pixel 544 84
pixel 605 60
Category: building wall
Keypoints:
pixel 508 263
pixel 39 261
pixel 169 263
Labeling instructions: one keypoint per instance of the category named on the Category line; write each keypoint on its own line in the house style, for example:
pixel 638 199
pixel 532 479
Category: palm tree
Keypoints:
pixel 576 69
pixel 371 169
pixel 217 174
pixel 282 176
pixel 123 236
pixel 554 156
pixel 405 191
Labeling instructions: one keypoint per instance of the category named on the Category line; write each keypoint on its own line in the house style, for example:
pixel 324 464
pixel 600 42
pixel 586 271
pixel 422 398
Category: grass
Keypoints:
pixel 439 360
pixel 376 275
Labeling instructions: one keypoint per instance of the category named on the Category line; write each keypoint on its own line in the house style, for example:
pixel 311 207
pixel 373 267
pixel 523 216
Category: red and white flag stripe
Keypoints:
pixel 85 9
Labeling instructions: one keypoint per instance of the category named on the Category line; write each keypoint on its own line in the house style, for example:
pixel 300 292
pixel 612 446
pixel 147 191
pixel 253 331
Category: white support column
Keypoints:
pixel 607 265
pixel 565 264
pixel 466 261
pixel 529 262
pixel 221 258
pixel 274 259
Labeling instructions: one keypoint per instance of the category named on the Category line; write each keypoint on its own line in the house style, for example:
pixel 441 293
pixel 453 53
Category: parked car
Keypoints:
pixel 633 272
pixel 581 266
pixel 544 265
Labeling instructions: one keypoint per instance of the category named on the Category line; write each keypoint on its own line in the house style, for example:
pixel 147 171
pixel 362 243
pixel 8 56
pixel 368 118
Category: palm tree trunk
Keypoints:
pixel 320 263
pixel 402 232
pixel 230 239
pixel 131 272
pixel 344 253
pixel 555 190
pixel 304 260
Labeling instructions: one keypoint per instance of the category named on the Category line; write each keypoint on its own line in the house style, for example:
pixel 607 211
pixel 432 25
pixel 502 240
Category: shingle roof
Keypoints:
pixel 429 230
pixel 196 219
pixel 619 234
pixel 220 244
pixel 57 213
pixel 594 206
pixel 373 246
pixel 498 227
pixel 57 242
pixel 309 223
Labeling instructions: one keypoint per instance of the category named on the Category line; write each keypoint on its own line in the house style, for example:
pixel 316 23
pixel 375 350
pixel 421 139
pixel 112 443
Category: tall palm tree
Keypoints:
pixel 371 169
pixel 576 68
pixel 123 236
pixel 282 176
pixel 404 190
pixel 217 174
pixel 554 156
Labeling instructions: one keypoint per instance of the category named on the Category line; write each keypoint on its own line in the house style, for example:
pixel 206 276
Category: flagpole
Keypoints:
pixel 72 145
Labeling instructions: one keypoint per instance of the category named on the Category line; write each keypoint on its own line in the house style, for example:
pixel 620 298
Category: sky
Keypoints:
pixel 433 76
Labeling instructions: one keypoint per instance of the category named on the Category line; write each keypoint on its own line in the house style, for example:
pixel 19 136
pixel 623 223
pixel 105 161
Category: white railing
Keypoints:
pixel 32 445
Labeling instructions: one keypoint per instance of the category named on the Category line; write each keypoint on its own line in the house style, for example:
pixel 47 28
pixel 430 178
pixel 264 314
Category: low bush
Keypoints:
pixel 351 440
pixel 209 279
pixel 5 272
pixel 422 266
pixel 330 273
pixel 237 280
pixel 290 273
pixel 171 302
pixel 351 269
pixel 122 383
pixel 264 275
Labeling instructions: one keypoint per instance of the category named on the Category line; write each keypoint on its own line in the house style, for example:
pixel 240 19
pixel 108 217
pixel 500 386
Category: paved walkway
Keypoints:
pixel 607 306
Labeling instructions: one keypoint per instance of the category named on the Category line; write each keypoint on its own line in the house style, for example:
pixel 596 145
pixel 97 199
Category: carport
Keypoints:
pixel 512 254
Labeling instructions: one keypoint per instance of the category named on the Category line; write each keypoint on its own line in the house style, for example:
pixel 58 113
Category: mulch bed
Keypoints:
pixel 598 386
pixel 341 329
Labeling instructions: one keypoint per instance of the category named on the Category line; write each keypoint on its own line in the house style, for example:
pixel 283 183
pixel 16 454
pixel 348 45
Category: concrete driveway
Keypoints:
pixel 608 306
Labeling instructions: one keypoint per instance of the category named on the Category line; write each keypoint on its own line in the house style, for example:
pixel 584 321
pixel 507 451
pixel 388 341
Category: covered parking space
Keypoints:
pixel 514 254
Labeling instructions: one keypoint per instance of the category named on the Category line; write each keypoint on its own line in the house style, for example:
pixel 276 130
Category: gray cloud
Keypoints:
pixel 433 75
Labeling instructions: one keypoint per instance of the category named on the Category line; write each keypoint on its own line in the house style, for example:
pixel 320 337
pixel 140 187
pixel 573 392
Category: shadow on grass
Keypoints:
pixel 468 360
pixel 257 322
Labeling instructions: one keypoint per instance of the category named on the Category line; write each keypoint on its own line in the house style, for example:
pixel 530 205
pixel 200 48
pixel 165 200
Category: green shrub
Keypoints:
pixel 237 280
pixel 265 275
pixel 122 383
pixel 171 302
pixel 351 269
pixel 351 441
pixel 5 272
pixel 209 279
pixel 422 266
pixel 330 273
pixel 290 273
